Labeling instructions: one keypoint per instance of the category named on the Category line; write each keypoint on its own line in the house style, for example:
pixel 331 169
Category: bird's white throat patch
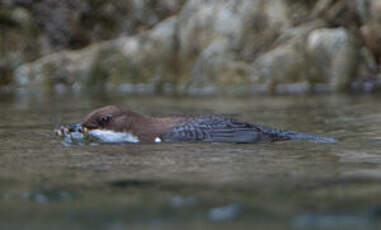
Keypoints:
pixel 108 136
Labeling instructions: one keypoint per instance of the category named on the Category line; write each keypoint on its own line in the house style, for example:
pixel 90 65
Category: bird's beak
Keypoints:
pixel 65 130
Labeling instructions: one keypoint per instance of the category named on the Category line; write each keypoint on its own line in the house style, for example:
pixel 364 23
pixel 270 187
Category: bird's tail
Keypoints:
pixel 279 135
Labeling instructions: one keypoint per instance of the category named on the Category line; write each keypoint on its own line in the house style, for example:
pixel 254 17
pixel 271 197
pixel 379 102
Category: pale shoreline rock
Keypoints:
pixel 224 45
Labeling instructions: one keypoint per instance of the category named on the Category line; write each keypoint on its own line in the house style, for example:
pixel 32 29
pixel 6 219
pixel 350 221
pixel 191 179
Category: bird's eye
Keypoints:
pixel 105 118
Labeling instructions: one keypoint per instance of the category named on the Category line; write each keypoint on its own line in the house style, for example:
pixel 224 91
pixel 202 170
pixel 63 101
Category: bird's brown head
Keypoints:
pixel 111 124
pixel 109 118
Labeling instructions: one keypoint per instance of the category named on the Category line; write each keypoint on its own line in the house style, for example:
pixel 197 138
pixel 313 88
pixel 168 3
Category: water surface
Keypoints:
pixel 283 185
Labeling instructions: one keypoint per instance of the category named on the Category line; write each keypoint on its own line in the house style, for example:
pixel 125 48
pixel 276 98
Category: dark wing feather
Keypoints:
pixel 214 129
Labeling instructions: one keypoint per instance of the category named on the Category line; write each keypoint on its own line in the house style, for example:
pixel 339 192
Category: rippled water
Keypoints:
pixel 284 185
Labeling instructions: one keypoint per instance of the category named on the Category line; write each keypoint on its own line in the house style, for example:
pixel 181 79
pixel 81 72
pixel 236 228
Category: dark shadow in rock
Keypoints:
pixel 132 183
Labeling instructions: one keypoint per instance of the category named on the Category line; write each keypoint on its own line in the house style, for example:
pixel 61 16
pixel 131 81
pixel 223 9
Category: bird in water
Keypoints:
pixel 111 124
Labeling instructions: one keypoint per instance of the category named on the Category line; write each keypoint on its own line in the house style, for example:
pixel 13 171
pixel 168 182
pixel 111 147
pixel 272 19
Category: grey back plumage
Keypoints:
pixel 213 128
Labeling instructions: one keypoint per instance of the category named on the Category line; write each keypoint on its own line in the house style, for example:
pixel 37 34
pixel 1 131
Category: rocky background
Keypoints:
pixel 191 46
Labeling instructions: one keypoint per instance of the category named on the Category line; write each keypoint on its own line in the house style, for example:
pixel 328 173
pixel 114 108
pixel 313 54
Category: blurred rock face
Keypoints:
pixel 194 45
pixel 333 57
